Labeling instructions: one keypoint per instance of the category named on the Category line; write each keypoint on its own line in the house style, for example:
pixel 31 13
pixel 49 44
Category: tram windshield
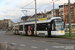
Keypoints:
pixel 59 25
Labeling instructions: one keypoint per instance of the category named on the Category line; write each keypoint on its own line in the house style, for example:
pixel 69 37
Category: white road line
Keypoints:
pixel 46 49
pixel 33 47
pixel 33 40
pixel 13 43
pixel 22 45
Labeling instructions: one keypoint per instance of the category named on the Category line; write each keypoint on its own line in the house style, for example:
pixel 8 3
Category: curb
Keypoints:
pixel 67 38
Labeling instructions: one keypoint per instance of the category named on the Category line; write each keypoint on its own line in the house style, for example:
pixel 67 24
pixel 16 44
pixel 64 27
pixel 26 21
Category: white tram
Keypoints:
pixel 52 26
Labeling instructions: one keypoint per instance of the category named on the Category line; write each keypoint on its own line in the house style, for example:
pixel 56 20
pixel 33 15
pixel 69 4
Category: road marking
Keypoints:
pixel 33 47
pixel 33 40
pixel 13 43
pixel 46 49
pixel 23 45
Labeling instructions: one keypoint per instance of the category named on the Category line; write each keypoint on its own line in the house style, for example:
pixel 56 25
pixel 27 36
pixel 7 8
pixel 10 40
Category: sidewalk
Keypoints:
pixel 5 46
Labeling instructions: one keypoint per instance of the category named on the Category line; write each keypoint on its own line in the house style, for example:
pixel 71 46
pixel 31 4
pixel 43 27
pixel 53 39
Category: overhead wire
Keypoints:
pixel 28 4
pixel 47 4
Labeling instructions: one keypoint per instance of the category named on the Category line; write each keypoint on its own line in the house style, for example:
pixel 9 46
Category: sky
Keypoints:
pixel 12 9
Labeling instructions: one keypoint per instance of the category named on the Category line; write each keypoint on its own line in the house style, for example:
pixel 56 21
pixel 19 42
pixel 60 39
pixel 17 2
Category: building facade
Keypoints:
pixel 66 13
pixel 50 13
pixel 6 24
pixel 57 13
pixel 61 11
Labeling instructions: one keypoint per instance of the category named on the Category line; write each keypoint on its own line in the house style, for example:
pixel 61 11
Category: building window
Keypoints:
pixel 71 11
pixel 6 20
pixel 72 6
pixel 72 16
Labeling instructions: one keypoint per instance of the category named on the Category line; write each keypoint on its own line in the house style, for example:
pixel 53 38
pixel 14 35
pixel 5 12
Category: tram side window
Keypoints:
pixel 32 27
pixel 38 26
pixel 41 26
pixel 21 27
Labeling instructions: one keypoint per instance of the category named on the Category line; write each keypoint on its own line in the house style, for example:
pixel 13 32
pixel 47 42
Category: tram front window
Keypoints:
pixel 59 25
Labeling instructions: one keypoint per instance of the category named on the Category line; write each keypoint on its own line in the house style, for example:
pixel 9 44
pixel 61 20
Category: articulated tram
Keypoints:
pixel 52 26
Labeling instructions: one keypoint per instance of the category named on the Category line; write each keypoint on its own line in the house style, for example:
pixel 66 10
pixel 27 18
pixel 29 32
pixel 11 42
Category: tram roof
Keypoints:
pixel 49 19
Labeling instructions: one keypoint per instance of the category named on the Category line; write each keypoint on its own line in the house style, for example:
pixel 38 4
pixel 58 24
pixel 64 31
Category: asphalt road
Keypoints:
pixel 36 43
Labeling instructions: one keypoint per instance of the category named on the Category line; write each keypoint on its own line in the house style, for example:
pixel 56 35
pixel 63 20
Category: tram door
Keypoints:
pixel 30 30
pixel 49 30
pixel 26 29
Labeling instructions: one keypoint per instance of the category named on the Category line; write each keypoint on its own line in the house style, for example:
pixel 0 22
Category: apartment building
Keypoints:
pixel 66 13
pixel 6 24
pixel 39 15
pixel 24 18
pixel 57 13
pixel 50 13
pixel 61 11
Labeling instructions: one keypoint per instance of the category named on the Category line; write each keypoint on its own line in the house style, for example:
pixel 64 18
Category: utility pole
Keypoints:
pixel 35 18
pixel 70 33
pixel 14 28
pixel 24 26
pixel 24 22
pixel 53 8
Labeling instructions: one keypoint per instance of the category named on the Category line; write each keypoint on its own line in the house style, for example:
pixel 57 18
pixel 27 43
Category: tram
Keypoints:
pixel 52 26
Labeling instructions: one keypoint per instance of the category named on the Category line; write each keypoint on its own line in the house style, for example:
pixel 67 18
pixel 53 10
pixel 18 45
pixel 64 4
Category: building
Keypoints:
pixel 66 13
pixel 24 18
pixel 61 11
pixel 6 24
pixel 0 24
pixel 39 15
pixel 50 13
pixel 57 13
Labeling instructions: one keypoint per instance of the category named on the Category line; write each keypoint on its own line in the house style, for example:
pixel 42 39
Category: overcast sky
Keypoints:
pixel 11 9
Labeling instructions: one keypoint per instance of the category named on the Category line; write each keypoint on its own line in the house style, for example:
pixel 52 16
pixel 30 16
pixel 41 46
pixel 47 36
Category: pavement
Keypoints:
pixel 36 43
pixel 6 46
